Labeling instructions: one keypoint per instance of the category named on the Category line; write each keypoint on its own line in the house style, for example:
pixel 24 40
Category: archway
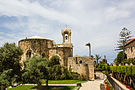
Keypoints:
pixel 29 54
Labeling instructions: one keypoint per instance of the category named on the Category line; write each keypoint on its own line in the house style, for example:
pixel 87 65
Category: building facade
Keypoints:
pixel 39 46
pixel 130 48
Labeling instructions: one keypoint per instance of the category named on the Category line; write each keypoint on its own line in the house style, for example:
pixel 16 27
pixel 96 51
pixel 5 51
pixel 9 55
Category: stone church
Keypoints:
pixel 39 46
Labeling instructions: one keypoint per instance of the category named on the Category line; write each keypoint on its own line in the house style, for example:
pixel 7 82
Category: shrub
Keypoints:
pixel 128 70
pixel 133 70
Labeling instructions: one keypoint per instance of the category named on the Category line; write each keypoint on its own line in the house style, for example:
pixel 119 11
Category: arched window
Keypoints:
pixel 29 54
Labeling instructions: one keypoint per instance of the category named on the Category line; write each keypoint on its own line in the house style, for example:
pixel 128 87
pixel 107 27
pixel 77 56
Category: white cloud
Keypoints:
pixel 25 8
pixel 98 22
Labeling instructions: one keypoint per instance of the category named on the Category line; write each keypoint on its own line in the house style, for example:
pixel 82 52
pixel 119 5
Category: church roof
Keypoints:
pixel 130 41
pixel 36 37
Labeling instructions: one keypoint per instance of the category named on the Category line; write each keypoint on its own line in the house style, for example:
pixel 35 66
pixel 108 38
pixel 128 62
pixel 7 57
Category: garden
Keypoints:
pixel 37 72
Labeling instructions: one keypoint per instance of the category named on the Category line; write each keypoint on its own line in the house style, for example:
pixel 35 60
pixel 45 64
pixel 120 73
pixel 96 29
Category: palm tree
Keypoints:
pixel 97 57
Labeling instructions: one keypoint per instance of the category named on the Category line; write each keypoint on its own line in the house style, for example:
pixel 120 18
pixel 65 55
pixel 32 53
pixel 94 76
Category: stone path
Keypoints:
pixel 91 85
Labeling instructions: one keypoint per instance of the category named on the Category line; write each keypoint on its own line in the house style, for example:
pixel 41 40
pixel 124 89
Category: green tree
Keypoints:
pixel 119 58
pixel 125 34
pixel 10 56
pixel 55 71
pixel 97 57
pixel 35 69
pixel 54 60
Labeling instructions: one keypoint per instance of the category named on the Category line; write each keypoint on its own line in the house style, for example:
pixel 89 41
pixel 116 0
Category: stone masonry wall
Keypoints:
pixel 63 53
pixel 82 65
pixel 37 47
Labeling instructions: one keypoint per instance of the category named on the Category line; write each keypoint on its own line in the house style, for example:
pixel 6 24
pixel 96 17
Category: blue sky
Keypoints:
pixel 96 21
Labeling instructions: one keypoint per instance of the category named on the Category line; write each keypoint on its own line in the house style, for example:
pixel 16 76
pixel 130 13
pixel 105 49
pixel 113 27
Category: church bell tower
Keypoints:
pixel 66 34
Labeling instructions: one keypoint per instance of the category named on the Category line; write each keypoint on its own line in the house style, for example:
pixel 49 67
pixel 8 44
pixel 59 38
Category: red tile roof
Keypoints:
pixel 130 40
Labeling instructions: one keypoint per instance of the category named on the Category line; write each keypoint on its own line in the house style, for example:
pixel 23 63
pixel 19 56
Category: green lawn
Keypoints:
pixel 63 81
pixel 33 87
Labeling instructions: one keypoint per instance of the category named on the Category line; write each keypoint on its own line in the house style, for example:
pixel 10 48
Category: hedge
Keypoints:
pixel 127 70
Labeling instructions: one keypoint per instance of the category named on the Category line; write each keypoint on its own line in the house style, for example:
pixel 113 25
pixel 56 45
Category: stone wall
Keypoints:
pixel 63 53
pixel 82 65
pixel 37 47
pixel 130 50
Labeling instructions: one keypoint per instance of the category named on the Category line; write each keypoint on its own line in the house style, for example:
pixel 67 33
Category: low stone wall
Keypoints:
pixel 116 84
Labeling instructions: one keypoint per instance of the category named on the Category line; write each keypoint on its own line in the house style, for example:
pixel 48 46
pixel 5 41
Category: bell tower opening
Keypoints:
pixel 66 37
pixel 66 34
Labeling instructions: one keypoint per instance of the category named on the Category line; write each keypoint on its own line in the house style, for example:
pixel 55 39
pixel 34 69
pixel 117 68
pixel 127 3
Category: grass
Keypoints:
pixel 34 87
pixel 63 81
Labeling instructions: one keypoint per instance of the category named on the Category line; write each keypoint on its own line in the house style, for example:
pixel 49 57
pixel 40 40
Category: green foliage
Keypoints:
pixel 130 60
pixel 123 69
pixel 100 67
pixel 119 58
pixel 34 87
pixel 107 68
pixel 56 71
pixel 6 78
pixel 66 74
pixel 124 36
pixel 10 55
pixel 119 69
pixel 63 81
pixel 35 69
pixel 97 57
pixel 10 72
pixel 54 60
pixel 75 75
pixel 133 70
pixel 115 68
pixel 127 70
pixel 104 72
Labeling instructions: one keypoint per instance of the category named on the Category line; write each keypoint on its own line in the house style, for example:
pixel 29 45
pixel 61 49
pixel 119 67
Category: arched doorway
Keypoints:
pixel 29 54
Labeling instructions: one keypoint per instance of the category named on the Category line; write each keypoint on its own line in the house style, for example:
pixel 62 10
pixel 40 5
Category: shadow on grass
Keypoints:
pixel 54 87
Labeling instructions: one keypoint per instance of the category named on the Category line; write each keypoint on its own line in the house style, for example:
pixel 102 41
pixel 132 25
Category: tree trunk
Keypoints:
pixel 2 88
pixel 46 82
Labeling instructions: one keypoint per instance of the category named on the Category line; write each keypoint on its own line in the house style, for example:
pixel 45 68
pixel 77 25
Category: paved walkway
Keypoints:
pixel 92 85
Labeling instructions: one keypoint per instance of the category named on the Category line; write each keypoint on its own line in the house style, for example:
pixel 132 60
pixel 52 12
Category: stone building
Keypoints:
pixel 82 65
pixel 130 48
pixel 39 46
